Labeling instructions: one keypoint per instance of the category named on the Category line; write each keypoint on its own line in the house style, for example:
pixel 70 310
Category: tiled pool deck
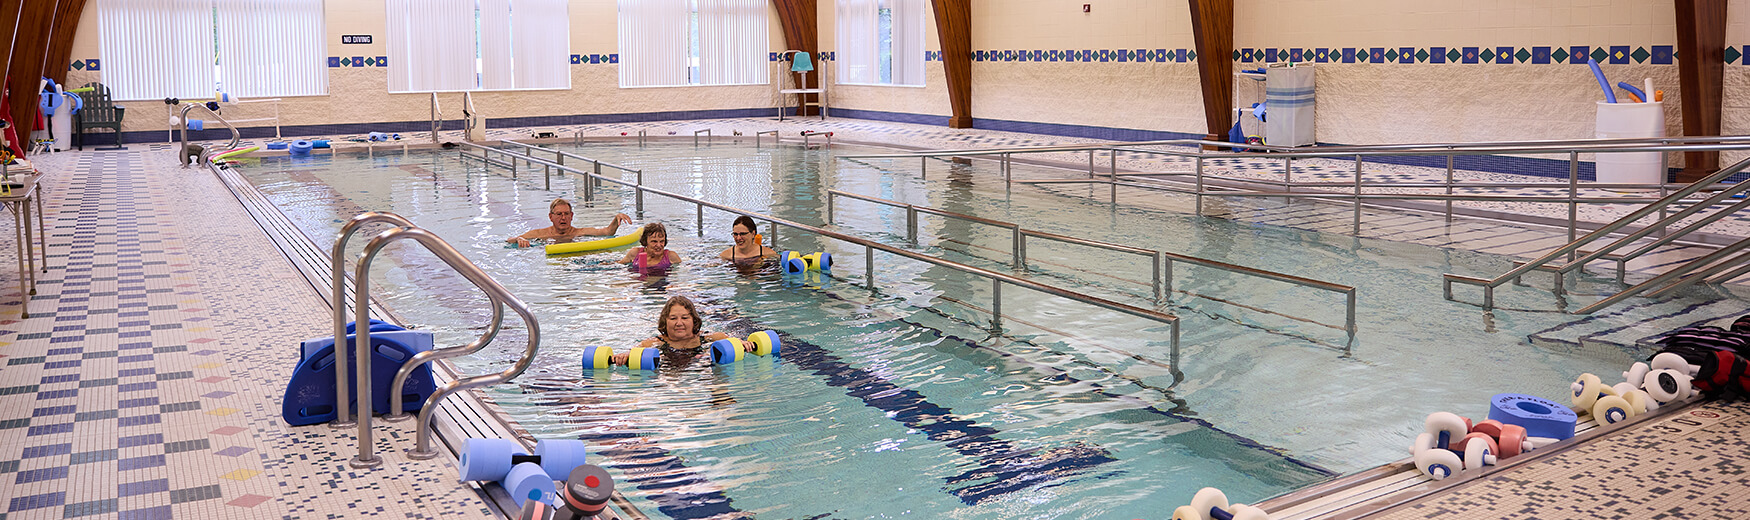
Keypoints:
pixel 146 383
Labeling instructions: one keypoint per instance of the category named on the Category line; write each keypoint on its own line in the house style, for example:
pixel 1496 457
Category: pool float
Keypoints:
pixel 234 152
pixel 592 245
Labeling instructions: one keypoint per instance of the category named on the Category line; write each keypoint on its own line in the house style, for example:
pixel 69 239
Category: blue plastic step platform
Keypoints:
pixel 310 395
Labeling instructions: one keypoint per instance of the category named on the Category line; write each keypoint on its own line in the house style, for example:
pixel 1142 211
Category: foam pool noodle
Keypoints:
pixel 1640 96
pixel 1609 96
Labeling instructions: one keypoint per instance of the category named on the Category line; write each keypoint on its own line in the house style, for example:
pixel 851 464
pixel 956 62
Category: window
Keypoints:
pixel 153 49
pixel 881 42
pixel 693 42
pixel 502 45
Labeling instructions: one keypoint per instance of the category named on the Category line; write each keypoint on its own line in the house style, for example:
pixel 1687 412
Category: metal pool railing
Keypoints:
pixel 998 280
pixel 1161 261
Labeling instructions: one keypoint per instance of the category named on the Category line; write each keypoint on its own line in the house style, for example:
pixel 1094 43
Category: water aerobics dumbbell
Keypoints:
pixel 1211 503
pixel 584 494
pixel 730 350
pixel 522 475
pixel 639 358
pixel 797 263
pixel 1448 444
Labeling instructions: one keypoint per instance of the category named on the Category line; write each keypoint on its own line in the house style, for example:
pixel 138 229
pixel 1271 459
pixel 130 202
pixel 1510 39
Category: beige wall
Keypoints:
pixel 360 94
pixel 1357 102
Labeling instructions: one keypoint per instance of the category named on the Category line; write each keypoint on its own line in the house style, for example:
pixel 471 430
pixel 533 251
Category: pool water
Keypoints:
pixel 904 401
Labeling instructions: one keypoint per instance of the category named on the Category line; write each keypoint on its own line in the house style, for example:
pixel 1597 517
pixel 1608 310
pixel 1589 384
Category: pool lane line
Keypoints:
pixel 1240 466
pixel 1004 466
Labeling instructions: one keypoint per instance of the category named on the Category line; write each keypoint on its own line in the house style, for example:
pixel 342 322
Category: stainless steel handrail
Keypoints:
pixel 707 133
pixel 362 344
pixel 1489 284
pixel 869 274
pixel 437 123
pixel 337 294
pixel 182 153
pixel 1677 272
pixel 1160 259
pixel 756 137
pixel 1662 224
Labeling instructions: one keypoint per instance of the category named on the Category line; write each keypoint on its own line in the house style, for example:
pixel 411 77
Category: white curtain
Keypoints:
pixel 154 49
pixel 653 42
pixel 497 60
pixel 272 48
pixel 908 41
pixel 734 41
pixel 542 43
pixel 856 41
pixel 430 45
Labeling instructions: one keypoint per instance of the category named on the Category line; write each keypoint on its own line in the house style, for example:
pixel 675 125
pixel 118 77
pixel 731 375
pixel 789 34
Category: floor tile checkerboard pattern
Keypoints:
pixel 146 383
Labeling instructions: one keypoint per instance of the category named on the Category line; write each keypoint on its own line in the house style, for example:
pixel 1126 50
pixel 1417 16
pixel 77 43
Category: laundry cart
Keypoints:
pixel 1289 94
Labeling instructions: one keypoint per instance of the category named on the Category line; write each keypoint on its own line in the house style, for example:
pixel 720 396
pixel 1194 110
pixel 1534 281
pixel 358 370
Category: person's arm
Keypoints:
pixel 623 357
pixel 523 239
pixel 673 257
pixel 727 254
pixel 714 336
pixel 631 254
pixel 612 227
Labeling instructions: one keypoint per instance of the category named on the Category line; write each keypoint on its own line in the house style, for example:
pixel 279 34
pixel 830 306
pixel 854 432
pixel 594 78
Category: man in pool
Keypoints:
pixel 561 230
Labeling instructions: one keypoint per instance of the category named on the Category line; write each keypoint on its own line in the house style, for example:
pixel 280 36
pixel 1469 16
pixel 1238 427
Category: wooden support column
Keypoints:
pixel 61 40
pixel 1701 66
pixel 801 33
pixel 954 27
pixel 30 45
pixel 1212 24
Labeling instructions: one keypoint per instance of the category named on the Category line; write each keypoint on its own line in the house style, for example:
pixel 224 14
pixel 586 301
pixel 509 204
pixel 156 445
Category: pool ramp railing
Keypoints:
pixel 998 280
pixel 1361 191
pixel 497 294
pixel 1684 274
pixel 1161 261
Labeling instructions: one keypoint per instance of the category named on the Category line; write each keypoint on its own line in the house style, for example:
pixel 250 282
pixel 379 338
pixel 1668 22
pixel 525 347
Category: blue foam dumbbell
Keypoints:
pixel 522 475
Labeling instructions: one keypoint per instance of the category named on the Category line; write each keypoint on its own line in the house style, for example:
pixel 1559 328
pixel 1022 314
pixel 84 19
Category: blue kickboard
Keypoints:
pixel 310 395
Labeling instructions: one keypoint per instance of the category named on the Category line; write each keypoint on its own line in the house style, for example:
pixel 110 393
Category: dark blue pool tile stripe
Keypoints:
pixel 659 471
pixel 1004 466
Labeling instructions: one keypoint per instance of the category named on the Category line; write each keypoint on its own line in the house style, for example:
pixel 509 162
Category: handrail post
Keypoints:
pixel 830 207
pixel 1349 323
pixel 1090 163
pixel 1449 160
pixel 868 266
pixel 1167 279
pixel 1288 178
pixel 701 223
pixel 1357 194
pixel 1157 269
pixel 911 223
pixel 1015 245
pixel 639 189
pixel 996 305
pixel 362 358
pixel 1573 191
pixel 1199 194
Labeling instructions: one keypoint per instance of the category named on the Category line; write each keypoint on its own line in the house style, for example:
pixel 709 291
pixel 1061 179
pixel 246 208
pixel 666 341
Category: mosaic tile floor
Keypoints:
pixel 146 383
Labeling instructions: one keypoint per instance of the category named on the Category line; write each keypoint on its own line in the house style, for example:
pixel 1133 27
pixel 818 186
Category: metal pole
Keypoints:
pixel 1167 279
pixel 1449 187
pixel 869 266
pixel 1020 250
pixel 1288 178
pixel 362 362
pixel 1157 284
pixel 911 223
pixel 1015 246
pixel 640 192
pixel 1349 324
pixel 1573 191
pixel 830 207
pixel 701 220
pixel 1090 163
pixel 996 304
pixel 1007 180
pixel 924 167
pixel 1358 195
pixel 1199 181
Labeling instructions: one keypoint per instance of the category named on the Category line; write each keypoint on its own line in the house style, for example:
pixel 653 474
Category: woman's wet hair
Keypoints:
pixel 653 227
pixel 746 222
pixel 683 302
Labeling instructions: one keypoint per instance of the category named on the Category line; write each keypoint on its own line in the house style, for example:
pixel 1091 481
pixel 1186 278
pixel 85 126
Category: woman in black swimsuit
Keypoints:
pixel 678 334
pixel 747 249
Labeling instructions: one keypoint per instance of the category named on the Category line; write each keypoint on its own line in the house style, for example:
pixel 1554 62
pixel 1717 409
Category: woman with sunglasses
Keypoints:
pixel 747 249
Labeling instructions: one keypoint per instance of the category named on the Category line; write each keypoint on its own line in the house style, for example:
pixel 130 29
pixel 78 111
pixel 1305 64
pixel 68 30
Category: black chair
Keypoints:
pixel 99 112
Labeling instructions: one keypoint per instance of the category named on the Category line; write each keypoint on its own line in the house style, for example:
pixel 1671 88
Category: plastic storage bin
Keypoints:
pixel 1630 120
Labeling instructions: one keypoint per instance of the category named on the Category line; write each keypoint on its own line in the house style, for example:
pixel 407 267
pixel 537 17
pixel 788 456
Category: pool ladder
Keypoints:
pixel 496 293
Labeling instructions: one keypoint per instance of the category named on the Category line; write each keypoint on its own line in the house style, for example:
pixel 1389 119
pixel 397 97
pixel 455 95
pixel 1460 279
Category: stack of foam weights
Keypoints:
pixel 1702 360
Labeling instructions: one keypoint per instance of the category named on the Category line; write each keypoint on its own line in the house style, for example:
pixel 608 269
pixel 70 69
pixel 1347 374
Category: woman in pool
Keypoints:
pixel 747 249
pixel 679 334
pixel 652 256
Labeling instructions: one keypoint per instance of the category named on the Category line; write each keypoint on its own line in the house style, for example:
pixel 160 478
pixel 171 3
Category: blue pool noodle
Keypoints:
pixel 1609 95
pixel 1632 90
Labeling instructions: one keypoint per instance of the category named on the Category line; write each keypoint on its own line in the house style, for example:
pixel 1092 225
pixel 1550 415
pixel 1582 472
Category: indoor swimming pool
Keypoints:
pixel 903 401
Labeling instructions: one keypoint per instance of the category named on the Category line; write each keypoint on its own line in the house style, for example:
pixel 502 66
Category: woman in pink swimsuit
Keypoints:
pixel 652 255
